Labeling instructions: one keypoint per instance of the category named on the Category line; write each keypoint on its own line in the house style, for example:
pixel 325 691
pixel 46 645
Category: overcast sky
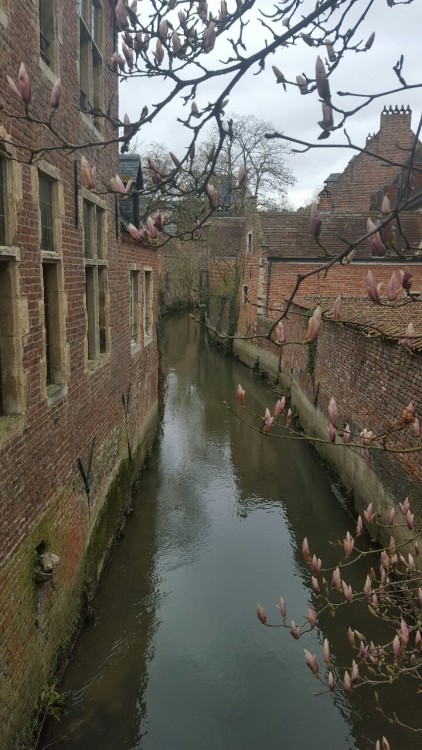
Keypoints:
pixel 398 31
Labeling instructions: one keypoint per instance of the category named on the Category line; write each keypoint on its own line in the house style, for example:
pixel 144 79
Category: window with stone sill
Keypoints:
pixel 134 307
pixel 48 33
pixel 91 65
pixel 249 243
pixel 10 342
pixel 148 302
pixel 95 279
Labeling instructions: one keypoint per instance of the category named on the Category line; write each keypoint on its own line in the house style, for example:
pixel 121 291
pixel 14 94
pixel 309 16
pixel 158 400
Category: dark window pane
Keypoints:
pixel 87 230
pixel 2 202
pixel 99 228
pixel 46 210
pixel 47 322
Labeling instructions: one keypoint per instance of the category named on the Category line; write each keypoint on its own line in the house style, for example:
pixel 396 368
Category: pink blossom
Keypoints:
pixel 347 591
pixel 278 409
pixel 294 630
pixel 128 55
pixel 404 633
pixel 404 506
pixel 121 17
pixel 311 661
pixel 151 228
pixel 302 83
pixel 378 247
pixel 88 174
pixel 391 516
pixel 409 336
pixel 418 640
pixel 393 287
pixel 315 584
pixel 282 607
pixel 367 436
pixel 326 651
pixel 241 175
pixel 351 636
pixel 305 550
pixel 321 80
pixel 289 417
pixel 163 29
pixel 240 395
pixel 347 683
pixel 336 310
pixel 368 586
pixel 354 674
pixel 332 411
pixel 281 333
pixel 330 681
pixel 396 647
pixel 134 232
pixel 159 52
pixel 372 287
pixel 311 616
pixel 315 223
pixel 117 184
pixel 348 544
pixel 177 44
pixel 56 93
pixel 212 195
pixel 409 519
pixel 369 514
pixel 359 525
pixel 268 420
pixel 314 325
pixel 315 564
pixel 209 37
pixel 331 432
pixel 347 434
pixel 336 579
pixel 24 84
pixel 261 614
pixel 406 278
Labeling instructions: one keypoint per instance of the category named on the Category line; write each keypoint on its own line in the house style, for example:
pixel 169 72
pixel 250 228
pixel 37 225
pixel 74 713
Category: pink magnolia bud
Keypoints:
pixel 347 683
pixel 347 434
pixel 336 311
pixel 209 37
pixel 294 630
pixel 24 84
pixel 279 76
pixel 351 636
pixel 330 50
pixel 406 278
pixel 362 650
pixel 330 681
pixel 369 42
pixel 410 561
pixel 404 506
pixel 177 44
pixel 347 591
pixel 392 545
pixel 261 614
pixel 396 647
pixel 391 516
pixel 326 651
pixel 372 287
pixel 212 195
pixel 311 661
pixel 241 176
pixel 315 223
pixel 56 93
pixel 420 596
pixel 315 564
pixel 268 420
pixel 153 172
pixel 385 560
pixel 311 616
pixel 282 607
pixel 416 427
pixel 314 325
pixel 315 584
pixel 159 52
pixel 368 586
pixel 117 184
pixel 163 29
pixel 393 288
pixel 348 544
pixel 281 333
pixel 128 55
pixel 151 228
pixel 88 174
pixel 418 640
pixel 409 335
pixel 289 417
pixel 336 579
pixel 409 519
pixel 366 436
pixel 121 16
pixel 369 514
pixel 305 550
pixel 240 395
pixel 158 220
pixel 354 674
pixel 278 408
pixel 378 248
pixel 302 83
pixel 327 122
pixel 321 80
pixel 331 432
pixel 359 525
pixel 134 232
pixel 404 633
pixel 332 411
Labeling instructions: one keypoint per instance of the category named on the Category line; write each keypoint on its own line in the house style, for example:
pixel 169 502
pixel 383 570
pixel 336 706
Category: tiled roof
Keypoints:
pixel 287 235
pixel 225 234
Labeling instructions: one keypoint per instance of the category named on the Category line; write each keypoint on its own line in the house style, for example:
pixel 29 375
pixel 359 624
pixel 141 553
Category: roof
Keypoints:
pixel 287 235
pixel 333 177
pixel 130 169
pixel 225 234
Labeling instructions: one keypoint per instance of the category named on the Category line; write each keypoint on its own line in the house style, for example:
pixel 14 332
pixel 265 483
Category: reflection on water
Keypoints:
pixel 177 658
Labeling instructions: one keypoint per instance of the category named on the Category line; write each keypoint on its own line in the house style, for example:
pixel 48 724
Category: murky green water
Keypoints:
pixel 177 659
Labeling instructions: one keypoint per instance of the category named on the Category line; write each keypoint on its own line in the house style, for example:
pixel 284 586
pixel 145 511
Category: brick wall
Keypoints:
pixel 42 497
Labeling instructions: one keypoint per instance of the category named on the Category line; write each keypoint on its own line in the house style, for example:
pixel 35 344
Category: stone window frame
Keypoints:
pixel 4 13
pixel 148 314
pixel 135 307
pixel 245 290
pixel 91 47
pixel 96 285
pixel 54 365
pixel 50 69
pixel 12 194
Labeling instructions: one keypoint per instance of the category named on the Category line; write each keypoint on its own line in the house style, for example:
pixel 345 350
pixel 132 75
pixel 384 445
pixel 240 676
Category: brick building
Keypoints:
pixel 78 350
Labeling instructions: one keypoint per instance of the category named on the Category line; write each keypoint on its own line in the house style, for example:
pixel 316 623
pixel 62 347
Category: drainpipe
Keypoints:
pixel 268 288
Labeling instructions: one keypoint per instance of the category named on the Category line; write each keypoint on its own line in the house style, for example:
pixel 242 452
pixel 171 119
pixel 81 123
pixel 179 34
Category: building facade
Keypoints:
pixel 78 348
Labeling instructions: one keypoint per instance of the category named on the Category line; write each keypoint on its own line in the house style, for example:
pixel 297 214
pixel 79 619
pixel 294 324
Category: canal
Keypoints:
pixel 176 658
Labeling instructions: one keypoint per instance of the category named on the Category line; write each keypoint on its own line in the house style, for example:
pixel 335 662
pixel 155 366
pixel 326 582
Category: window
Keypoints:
pixel 48 43
pixel 11 373
pixel 95 278
pixel 249 243
pixel 134 307
pixel 245 294
pixel 54 356
pixel 90 59
pixel 46 187
pixel 148 311
pixel 2 202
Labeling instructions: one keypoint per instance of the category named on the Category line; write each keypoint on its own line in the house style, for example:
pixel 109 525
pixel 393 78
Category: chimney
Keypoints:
pixel 395 118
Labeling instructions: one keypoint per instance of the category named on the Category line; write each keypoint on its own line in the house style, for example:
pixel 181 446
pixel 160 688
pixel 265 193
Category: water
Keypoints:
pixel 177 659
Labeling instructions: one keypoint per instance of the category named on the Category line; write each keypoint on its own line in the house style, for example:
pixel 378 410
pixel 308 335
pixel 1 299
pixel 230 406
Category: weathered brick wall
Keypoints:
pixel 364 174
pixel 42 498
pixel 182 272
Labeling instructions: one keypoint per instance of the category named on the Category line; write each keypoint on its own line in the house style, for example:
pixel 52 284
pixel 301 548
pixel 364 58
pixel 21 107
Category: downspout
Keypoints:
pixel 268 288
